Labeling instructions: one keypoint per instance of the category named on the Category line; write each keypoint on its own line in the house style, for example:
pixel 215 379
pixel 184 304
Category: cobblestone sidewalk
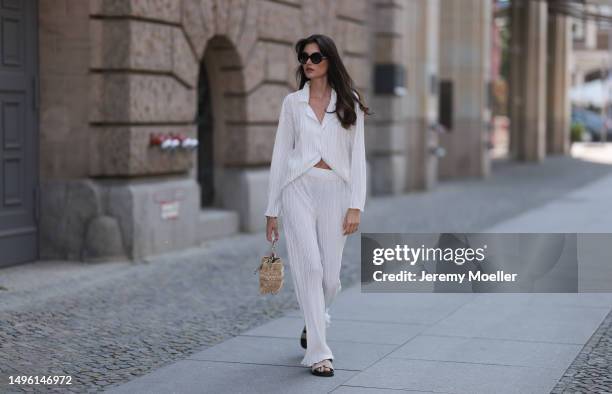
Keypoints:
pixel 591 371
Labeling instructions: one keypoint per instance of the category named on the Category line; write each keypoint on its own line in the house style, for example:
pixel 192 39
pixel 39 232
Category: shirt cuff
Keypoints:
pixel 273 209
pixel 357 207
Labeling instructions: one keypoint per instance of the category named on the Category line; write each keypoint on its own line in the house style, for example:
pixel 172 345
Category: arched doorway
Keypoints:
pixel 220 88
pixel 205 124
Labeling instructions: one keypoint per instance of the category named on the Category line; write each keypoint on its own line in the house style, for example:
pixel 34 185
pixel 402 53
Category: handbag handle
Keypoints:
pixel 274 247
pixel 273 253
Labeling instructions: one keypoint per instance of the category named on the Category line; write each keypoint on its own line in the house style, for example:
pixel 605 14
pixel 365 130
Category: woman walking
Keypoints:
pixel 318 185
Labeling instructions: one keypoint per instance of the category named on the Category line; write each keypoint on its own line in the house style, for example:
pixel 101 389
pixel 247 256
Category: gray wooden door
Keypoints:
pixel 18 131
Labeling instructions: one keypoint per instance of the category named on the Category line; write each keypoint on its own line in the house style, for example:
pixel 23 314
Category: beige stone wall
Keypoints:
pixel 465 61
pixel 422 54
pixel 64 88
pixel 528 80
pixel 558 108
pixel 144 66
pixel 386 133
pixel 115 71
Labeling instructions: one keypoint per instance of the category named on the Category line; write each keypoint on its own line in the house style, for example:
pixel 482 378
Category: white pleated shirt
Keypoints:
pixel 301 141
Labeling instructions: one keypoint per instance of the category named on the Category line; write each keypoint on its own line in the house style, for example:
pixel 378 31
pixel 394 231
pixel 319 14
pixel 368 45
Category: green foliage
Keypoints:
pixel 577 132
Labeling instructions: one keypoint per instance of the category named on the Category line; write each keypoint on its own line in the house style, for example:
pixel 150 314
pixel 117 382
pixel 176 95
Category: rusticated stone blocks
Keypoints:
pixel 160 10
pixel 126 151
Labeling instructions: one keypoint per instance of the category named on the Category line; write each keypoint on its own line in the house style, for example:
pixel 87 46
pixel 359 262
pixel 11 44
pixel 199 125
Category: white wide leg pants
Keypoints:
pixel 314 207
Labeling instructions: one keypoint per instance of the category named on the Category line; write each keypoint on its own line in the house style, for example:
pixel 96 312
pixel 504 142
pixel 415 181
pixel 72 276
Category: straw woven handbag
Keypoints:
pixel 271 272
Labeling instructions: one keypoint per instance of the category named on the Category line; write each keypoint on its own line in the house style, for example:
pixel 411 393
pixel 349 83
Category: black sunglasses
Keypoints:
pixel 315 57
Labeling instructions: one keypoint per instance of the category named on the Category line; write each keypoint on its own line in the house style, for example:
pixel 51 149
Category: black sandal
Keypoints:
pixel 315 371
pixel 303 338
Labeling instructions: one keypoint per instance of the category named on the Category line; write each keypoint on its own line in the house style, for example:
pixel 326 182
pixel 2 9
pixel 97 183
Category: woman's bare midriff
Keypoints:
pixel 322 164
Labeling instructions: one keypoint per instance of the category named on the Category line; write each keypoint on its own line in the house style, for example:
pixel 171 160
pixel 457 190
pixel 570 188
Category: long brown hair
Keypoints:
pixel 337 77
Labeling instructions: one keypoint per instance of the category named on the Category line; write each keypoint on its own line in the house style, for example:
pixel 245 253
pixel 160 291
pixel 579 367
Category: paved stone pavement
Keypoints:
pixel 426 343
pixel 108 323
pixel 591 371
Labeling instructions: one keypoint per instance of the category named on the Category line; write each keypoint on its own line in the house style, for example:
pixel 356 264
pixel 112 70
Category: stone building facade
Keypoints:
pixel 110 79
pixel 592 44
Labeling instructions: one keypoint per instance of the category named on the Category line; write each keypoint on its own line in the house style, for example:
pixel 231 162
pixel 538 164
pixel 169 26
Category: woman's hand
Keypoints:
pixel 351 221
pixel 271 227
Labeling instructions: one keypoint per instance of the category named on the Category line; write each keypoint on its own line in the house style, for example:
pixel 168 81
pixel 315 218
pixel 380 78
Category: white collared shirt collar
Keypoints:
pixel 305 96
